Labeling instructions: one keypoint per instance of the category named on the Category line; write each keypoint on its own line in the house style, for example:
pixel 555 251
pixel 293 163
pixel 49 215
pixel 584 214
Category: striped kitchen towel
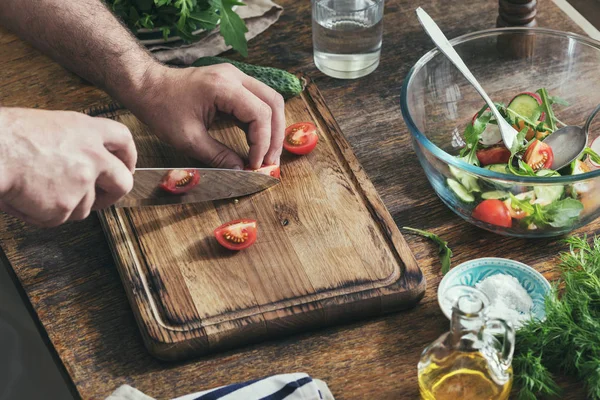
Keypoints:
pixel 296 386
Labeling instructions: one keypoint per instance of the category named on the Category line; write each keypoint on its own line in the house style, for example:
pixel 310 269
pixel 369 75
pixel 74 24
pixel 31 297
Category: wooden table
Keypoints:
pixel 75 292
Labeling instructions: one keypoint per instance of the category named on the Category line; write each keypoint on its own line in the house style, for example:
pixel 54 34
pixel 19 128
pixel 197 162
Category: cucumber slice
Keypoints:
pixel 499 168
pixel 495 194
pixel 547 194
pixel 467 180
pixel 458 189
pixel 526 105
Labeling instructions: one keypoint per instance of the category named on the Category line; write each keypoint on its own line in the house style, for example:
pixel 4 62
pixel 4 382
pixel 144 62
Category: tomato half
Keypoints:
pixel 179 181
pixel 493 212
pixel 515 212
pixel 300 138
pixel 236 235
pixel 539 155
pixel 493 155
pixel 273 170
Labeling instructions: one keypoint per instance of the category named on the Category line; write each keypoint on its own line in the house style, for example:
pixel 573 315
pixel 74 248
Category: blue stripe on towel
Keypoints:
pixel 224 391
pixel 288 389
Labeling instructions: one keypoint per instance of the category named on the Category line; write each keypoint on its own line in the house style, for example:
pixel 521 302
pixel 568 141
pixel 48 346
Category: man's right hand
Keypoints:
pixel 57 166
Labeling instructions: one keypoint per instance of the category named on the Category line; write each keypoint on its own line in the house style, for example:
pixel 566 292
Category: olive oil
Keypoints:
pixel 472 361
pixel 464 376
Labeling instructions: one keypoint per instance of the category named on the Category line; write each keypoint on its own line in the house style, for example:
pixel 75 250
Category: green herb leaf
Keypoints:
pixel 563 213
pixel 444 251
pixel 558 100
pixel 568 340
pixel 233 27
pixel 518 143
pixel 591 154
pixel 547 107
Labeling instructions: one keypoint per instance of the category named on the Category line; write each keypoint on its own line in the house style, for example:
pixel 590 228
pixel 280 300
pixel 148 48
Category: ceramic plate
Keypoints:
pixel 474 271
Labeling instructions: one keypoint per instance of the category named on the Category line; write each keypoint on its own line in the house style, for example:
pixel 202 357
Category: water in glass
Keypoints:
pixel 347 36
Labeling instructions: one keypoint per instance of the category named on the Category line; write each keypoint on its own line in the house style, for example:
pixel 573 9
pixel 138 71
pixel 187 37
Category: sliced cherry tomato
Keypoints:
pixel 236 235
pixel 273 170
pixel 300 138
pixel 493 155
pixel 493 212
pixel 514 212
pixel 179 181
pixel 539 156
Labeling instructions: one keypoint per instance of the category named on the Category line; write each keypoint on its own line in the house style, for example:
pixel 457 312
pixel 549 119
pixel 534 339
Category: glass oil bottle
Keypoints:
pixel 469 362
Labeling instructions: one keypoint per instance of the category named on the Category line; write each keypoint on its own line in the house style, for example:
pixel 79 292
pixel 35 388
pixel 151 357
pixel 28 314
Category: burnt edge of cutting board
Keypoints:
pixel 169 342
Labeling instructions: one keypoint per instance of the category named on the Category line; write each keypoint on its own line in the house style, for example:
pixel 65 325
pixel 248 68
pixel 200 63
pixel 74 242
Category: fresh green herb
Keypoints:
pixel 523 168
pixel 558 214
pixel 184 17
pixel 444 251
pixel 472 134
pixel 547 108
pixel 557 100
pixel 591 154
pixel 568 340
pixel 519 142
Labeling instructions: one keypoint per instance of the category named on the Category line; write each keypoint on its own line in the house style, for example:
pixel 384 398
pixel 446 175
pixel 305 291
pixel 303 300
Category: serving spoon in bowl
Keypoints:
pixel 509 134
pixel 566 143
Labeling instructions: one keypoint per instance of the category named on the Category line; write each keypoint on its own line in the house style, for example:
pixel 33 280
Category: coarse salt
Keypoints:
pixel 508 299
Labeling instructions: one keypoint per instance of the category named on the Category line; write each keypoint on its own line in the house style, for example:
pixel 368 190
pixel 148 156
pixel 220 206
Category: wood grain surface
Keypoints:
pixel 70 278
pixel 328 251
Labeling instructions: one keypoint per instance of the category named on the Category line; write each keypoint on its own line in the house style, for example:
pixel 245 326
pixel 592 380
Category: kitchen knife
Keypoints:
pixel 214 184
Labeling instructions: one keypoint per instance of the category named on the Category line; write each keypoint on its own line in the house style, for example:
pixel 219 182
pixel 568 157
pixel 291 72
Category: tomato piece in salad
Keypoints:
pixel 493 155
pixel 179 181
pixel 272 170
pixel 237 235
pixel 539 155
pixel 493 212
pixel 300 138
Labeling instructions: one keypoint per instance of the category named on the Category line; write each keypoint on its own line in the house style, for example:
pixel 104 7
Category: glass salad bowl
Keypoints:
pixel 511 192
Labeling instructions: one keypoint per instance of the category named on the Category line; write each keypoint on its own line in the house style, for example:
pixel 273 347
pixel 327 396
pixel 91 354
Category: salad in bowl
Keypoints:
pixel 542 80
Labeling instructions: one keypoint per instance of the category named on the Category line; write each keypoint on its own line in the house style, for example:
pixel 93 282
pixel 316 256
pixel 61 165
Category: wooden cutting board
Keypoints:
pixel 327 252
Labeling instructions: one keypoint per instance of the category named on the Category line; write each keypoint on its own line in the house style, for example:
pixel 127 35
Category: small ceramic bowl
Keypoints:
pixel 471 272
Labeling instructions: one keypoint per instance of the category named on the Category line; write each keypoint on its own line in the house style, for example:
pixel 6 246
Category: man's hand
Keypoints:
pixel 57 166
pixel 180 104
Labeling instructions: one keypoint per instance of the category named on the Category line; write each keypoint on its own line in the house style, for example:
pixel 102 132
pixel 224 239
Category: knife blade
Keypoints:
pixel 214 184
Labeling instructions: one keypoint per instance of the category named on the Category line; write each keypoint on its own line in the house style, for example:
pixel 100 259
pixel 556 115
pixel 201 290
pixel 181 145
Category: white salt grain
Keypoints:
pixel 508 299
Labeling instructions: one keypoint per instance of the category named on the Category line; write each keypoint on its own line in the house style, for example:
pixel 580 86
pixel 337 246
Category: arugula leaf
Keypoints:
pixel 547 107
pixel 518 143
pixel 558 100
pixel 591 154
pixel 558 214
pixel 563 213
pixel 472 134
pixel 184 17
pixel 444 251
pixel 523 170
pixel 233 27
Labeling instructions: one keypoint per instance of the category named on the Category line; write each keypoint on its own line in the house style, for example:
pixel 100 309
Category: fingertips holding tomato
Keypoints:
pixel 494 212
pixel 271 170
pixel 180 181
pixel 237 235
pixel 300 138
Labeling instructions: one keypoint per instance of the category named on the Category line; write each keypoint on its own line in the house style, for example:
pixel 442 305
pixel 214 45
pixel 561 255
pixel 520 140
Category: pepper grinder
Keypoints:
pixel 516 13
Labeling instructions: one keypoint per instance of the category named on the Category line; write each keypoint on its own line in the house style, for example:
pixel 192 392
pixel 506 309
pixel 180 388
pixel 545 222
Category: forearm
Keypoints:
pixel 85 37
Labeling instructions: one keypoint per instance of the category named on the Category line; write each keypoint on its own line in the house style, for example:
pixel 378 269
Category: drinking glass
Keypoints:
pixel 347 36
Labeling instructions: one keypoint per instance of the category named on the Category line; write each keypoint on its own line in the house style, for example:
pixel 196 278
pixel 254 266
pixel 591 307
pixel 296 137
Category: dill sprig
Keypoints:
pixel 568 341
